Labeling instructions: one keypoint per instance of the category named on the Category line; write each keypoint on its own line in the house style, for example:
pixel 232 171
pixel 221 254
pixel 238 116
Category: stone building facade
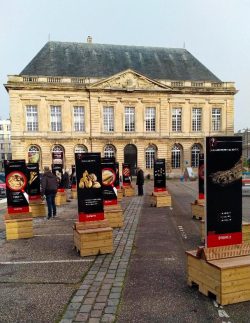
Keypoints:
pixel 5 142
pixel 134 103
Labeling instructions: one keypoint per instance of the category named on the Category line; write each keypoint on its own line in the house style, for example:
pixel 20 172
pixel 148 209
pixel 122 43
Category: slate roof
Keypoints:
pixel 102 60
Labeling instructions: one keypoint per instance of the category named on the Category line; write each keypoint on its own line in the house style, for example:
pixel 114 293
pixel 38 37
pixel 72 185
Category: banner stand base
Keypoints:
pixel 222 272
pixel 198 210
pixel 161 199
pixel 93 237
pixel 128 191
pixel 18 226
pixel 114 214
pixel 60 198
pixel 38 208
pixel 119 194
pixel 74 193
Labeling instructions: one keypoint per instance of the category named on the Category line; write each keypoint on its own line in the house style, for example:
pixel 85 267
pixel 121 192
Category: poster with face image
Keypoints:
pixel 33 186
pixel 16 186
pixel 126 175
pixel 201 177
pixel 89 186
pixel 159 175
pixel 223 190
pixel 108 181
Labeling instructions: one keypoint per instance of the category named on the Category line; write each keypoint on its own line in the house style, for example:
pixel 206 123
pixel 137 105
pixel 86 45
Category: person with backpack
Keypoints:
pixel 49 185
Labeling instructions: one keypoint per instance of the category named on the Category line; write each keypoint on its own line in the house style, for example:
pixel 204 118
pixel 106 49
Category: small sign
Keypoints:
pixel 126 175
pixel 223 191
pixel 108 181
pixel 16 186
pixel 201 176
pixel 89 186
pixel 159 175
pixel 33 187
pixel 57 157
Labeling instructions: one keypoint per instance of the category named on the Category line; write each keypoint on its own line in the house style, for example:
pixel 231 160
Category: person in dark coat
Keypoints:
pixel 140 181
pixel 49 186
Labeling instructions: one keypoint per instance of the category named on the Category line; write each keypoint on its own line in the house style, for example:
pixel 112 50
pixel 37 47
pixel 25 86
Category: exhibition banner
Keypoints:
pixel 126 175
pixel 108 181
pixel 159 175
pixel 89 186
pixel 57 157
pixel 16 186
pixel 201 176
pixel 57 170
pixel 223 182
pixel 33 187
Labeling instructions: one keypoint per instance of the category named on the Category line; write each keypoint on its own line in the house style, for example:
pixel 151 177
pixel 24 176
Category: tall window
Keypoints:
pixel 79 119
pixel 109 151
pixel 150 156
pixel 176 157
pixel 31 118
pixel 150 119
pixel 196 149
pixel 176 119
pixel 196 119
pixel 129 119
pixel 56 118
pixel 216 119
pixel 108 119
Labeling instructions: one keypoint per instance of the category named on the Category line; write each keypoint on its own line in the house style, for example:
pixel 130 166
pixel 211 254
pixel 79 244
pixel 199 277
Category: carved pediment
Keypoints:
pixel 129 81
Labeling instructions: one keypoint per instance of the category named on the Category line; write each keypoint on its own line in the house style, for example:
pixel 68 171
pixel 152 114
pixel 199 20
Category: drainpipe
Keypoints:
pixel 90 121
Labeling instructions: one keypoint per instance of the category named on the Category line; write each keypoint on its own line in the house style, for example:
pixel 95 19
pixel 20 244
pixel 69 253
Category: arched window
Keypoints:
pixel 81 149
pixel 195 150
pixel 109 151
pixel 176 156
pixel 150 155
pixel 34 154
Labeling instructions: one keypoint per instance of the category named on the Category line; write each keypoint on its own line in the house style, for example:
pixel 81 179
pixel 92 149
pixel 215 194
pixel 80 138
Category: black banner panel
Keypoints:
pixel 57 170
pixel 117 178
pixel 73 176
pixel 33 187
pixel 89 186
pixel 126 175
pixel 201 177
pixel 108 181
pixel 159 175
pixel 57 157
pixel 223 162
pixel 16 186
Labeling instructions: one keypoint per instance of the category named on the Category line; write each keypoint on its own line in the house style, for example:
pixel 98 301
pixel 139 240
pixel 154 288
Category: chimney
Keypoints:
pixel 89 40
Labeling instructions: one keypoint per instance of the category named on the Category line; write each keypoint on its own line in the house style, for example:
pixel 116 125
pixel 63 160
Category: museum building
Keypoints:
pixel 132 102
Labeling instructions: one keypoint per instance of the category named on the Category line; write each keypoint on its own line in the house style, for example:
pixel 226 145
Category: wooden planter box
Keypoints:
pixel 198 211
pixel 74 193
pixel 93 238
pixel 161 199
pixel 228 279
pixel 119 195
pixel 60 198
pixel 246 232
pixel 114 214
pixel 19 228
pixel 128 191
pixel 38 208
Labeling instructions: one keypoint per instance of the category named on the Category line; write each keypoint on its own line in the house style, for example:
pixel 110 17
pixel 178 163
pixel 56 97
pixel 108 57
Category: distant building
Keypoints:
pixel 5 142
pixel 134 103
pixel 245 133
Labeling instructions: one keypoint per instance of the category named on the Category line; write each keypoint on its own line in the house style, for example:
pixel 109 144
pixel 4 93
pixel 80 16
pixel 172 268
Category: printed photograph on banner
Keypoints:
pixel 159 175
pixel 33 187
pixel 108 181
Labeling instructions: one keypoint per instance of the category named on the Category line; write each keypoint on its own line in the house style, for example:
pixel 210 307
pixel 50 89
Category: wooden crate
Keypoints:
pixel 128 191
pixel 60 198
pixel 161 199
pixel 19 229
pixel 38 208
pixel 228 279
pixel 94 241
pixel 74 193
pixel 114 214
pixel 119 194
pixel 198 211
pixel 246 232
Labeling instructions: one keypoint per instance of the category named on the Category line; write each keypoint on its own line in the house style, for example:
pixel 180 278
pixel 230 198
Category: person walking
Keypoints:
pixel 49 185
pixel 66 185
pixel 140 181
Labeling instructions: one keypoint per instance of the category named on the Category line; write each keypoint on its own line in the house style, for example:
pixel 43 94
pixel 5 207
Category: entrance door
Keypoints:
pixel 130 157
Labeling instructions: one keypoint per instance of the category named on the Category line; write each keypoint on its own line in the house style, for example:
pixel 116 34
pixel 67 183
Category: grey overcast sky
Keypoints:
pixel 216 32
